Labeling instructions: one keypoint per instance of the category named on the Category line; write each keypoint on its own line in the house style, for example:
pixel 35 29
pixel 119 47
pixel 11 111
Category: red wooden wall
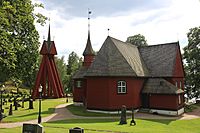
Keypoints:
pixel 102 93
pixel 79 94
pixel 168 102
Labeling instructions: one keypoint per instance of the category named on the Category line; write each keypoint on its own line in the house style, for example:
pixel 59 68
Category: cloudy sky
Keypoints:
pixel 160 21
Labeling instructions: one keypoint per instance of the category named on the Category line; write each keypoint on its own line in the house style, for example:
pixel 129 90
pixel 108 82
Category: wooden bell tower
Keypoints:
pixel 47 75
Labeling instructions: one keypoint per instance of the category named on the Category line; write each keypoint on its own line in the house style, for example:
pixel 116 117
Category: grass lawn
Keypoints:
pixel 111 125
pixel 81 111
pixel 24 114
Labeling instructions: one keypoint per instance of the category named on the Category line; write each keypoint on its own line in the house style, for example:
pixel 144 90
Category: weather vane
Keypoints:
pixel 89 13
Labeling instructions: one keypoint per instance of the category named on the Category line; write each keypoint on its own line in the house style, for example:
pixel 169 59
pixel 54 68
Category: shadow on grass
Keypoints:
pixel 81 111
pixel 50 111
pixel 85 121
pixel 162 121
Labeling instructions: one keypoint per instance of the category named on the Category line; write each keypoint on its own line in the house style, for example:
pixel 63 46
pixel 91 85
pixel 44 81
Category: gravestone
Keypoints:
pixel 76 130
pixel 123 115
pixel 30 103
pixel 10 110
pixel 15 104
pixel 22 103
pixel 1 116
pixel 32 128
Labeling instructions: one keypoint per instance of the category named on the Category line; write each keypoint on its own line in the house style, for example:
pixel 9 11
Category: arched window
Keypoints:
pixel 121 87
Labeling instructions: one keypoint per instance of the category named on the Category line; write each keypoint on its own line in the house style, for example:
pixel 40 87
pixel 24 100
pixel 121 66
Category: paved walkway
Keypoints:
pixel 61 113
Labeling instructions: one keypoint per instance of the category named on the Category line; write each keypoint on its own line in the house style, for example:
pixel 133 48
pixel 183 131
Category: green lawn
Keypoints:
pixel 111 125
pixel 23 114
pixel 81 111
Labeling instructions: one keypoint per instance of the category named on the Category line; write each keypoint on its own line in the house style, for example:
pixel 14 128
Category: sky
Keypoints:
pixel 160 21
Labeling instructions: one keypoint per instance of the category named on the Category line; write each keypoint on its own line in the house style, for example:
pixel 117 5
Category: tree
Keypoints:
pixel 20 40
pixel 7 47
pixel 74 63
pixel 192 63
pixel 62 71
pixel 138 40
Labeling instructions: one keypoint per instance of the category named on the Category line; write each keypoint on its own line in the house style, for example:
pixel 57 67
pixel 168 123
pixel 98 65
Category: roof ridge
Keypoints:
pixel 123 55
pixel 171 43
pixel 133 61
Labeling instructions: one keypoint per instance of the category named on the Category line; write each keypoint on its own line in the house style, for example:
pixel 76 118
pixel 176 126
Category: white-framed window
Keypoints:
pixel 78 84
pixel 176 83
pixel 121 87
pixel 180 85
pixel 179 99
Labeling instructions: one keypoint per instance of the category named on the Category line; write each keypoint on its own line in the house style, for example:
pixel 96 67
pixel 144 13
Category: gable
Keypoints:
pixel 44 49
pixel 178 67
pixel 52 49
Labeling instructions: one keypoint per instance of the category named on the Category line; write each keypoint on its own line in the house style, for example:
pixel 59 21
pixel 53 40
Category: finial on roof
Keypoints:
pixel 49 36
pixel 108 31
pixel 89 13
pixel 49 33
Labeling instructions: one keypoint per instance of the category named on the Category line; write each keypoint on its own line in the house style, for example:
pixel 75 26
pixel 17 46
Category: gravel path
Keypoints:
pixel 61 113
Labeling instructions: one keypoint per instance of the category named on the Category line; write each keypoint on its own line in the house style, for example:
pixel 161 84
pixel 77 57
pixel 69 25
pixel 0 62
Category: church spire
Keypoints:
pixel 88 53
pixel 49 36
pixel 88 49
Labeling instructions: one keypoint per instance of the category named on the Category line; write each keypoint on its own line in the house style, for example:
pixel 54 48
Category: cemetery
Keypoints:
pixel 124 87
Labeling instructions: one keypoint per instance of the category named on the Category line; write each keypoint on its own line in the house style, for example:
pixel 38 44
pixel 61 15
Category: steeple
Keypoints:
pixel 88 52
pixel 88 49
pixel 49 37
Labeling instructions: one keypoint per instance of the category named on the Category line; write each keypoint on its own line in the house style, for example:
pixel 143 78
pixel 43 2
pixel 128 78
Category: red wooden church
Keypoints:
pixel 149 77
pixel 47 75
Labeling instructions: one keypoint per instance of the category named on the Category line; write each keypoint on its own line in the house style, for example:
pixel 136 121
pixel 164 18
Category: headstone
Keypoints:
pixel 31 104
pixel 9 100
pixel 22 103
pixel 32 128
pixel 15 104
pixel 10 110
pixel 5 101
pixel 1 116
pixel 123 115
pixel 76 130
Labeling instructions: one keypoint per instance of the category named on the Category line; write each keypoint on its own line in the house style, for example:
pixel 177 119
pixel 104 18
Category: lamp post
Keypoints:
pixel 2 90
pixel 40 99
pixel 1 111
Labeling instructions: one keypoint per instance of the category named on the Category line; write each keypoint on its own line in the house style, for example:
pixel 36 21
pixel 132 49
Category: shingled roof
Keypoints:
pixel 117 58
pixel 160 86
pixel 160 59
pixel 88 49
pixel 80 73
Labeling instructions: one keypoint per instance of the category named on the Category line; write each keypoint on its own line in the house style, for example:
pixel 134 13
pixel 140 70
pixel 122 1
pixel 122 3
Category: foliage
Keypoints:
pixel 137 40
pixel 192 63
pixel 19 40
pixel 62 70
pixel 74 63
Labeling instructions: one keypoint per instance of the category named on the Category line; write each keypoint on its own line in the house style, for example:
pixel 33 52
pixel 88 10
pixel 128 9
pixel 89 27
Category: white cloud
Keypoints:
pixel 161 25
